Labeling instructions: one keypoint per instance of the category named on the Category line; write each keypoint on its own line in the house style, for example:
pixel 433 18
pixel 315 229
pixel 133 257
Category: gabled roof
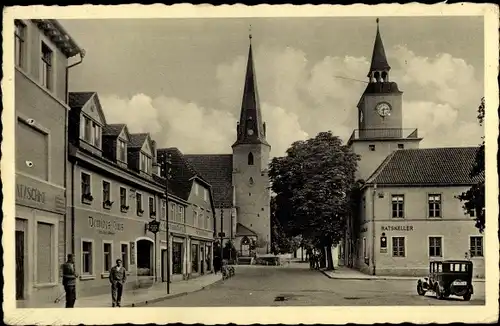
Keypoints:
pixel 242 230
pixel 113 129
pixel 77 100
pixel 429 166
pixel 217 169
pixel 137 140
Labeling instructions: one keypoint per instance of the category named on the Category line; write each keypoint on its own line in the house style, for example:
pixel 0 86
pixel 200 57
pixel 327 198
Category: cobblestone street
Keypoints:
pixel 299 286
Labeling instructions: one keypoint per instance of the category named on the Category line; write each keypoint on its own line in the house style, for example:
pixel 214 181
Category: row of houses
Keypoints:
pixel 91 188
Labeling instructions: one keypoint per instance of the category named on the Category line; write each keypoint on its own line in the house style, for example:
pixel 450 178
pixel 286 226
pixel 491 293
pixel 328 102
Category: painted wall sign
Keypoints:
pixel 173 227
pixel 105 226
pixel 397 228
pixel 40 195
pixel 201 233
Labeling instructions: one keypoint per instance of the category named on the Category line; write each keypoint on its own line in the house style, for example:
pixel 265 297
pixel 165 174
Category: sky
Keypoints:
pixel 182 79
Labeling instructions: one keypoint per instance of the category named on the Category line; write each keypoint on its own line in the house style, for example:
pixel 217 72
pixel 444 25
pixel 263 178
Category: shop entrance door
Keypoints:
pixel 19 265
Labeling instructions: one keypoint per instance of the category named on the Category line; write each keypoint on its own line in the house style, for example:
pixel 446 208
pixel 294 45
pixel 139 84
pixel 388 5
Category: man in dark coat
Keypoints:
pixel 117 277
pixel 69 276
pixel 217 264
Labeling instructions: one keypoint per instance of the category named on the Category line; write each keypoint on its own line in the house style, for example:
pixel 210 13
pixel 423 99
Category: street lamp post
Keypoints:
pixel 166 168
pixel 221 234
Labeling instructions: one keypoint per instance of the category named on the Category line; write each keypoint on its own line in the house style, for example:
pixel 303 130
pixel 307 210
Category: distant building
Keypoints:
pixel 240 180
pixel 42 48
pixel 115 191
pixel 408 212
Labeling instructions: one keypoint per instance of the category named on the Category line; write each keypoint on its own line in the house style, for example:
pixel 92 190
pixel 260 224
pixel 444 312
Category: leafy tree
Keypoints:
pixel 473 199
pixel 312 185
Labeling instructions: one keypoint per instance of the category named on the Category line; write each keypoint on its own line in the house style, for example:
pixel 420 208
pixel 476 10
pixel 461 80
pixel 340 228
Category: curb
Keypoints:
pixel 170 296
pixel 384 278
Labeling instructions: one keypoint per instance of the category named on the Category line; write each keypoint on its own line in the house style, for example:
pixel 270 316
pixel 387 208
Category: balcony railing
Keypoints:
pixel 384 133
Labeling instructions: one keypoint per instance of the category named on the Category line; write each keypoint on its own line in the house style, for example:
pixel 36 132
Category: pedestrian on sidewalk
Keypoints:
pixel 217 264
pixel 117 277
pixel 69 281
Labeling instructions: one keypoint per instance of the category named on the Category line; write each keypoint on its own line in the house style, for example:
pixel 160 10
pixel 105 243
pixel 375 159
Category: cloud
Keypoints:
pixel 300 98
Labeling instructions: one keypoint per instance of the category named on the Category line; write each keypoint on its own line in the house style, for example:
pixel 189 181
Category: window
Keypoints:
pixel 152 209
pixel 196 190
pixel 138 203
pixel 87 259
pixel 195 218
pixel 145 164
pixel 107 250
pixel 200 221
pixel 86 188
pixel 209 226
pixel 172 211
pixel 434 205
pixel 435 247
pixel 106 191
pixel 401 146
pixel 122 150
pixel 476 246
pixel 205 194
pixel 45 259
pixel 398 246
pixel 250 159
pixel 180 213
pixel 86 129
pixel 163 209
pixel 124 254
pixel 46 74
pixel 97 135
pixel 372 148
pixel 20 43
pixel 123 197
pixel 397 206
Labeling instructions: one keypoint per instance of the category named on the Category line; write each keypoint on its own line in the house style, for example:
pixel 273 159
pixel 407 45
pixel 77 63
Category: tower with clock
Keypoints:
pixel 251 153
pixel 380 116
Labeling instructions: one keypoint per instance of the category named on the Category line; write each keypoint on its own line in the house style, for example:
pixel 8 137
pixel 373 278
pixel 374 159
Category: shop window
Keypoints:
pixel 435 247
pixel 107 253
pixel 398 247
pixel 45 260
pixel 125 255
pixel 434 203
pixel 194 258
pixel 87 257
pixel 397 206
pixel 476 246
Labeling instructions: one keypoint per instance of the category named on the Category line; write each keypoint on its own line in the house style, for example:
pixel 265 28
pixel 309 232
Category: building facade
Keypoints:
pixel 116 192
pixel 42 50
pixel 240 180
pixel 410 214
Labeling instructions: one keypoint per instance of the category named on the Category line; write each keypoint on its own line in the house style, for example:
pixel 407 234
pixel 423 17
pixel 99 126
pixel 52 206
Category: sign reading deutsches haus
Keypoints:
pixel 105 226
pixel 397 228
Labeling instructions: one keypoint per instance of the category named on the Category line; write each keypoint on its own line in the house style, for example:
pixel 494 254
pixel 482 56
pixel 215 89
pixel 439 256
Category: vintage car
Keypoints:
pixel 448 277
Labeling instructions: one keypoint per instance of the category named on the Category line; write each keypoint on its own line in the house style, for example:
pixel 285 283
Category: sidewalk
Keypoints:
pixel 352 274
pixel 141 297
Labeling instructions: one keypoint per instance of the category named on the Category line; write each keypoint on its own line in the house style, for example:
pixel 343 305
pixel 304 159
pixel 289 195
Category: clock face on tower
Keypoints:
pixel 250 132
pixel 383 109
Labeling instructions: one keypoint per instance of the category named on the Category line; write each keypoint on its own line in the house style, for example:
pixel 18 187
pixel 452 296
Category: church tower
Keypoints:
pixel 380 116
pixel 250 169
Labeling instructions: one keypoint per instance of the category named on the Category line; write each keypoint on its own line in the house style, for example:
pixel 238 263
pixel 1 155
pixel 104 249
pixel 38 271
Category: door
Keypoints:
pixel 202 259
pixel 19 265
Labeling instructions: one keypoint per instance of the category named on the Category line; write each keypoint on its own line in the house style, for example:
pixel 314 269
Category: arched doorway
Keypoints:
pixel 245 247
pixel 145 257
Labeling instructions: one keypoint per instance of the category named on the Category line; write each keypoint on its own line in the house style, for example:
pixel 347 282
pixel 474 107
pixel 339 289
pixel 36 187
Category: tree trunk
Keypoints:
pixel 329 257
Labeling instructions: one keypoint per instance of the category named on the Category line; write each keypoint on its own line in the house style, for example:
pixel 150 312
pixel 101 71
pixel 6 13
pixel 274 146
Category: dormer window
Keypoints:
pixel 145 164
pixel 91 132
pixel 122 151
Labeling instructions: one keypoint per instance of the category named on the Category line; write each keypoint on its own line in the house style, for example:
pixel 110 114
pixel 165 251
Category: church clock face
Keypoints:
pixel 383 109
pixel 250 132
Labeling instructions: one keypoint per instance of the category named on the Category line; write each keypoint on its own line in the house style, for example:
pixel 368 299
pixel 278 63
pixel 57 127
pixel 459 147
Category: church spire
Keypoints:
pixel 379 68
pixel 251 129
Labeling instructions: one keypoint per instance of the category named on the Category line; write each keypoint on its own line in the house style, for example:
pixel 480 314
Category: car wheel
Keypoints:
pixel 439 295
pixel 420 289
pixel 467 296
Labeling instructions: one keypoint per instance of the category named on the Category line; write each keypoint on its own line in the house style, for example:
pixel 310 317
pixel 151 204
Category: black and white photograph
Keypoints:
pixel 244 163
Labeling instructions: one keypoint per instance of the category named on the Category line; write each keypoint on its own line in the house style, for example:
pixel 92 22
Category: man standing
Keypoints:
pixel 117 277
pixel 69 281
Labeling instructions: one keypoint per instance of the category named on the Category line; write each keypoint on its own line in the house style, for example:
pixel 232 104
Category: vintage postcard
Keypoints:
pixel 235 164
